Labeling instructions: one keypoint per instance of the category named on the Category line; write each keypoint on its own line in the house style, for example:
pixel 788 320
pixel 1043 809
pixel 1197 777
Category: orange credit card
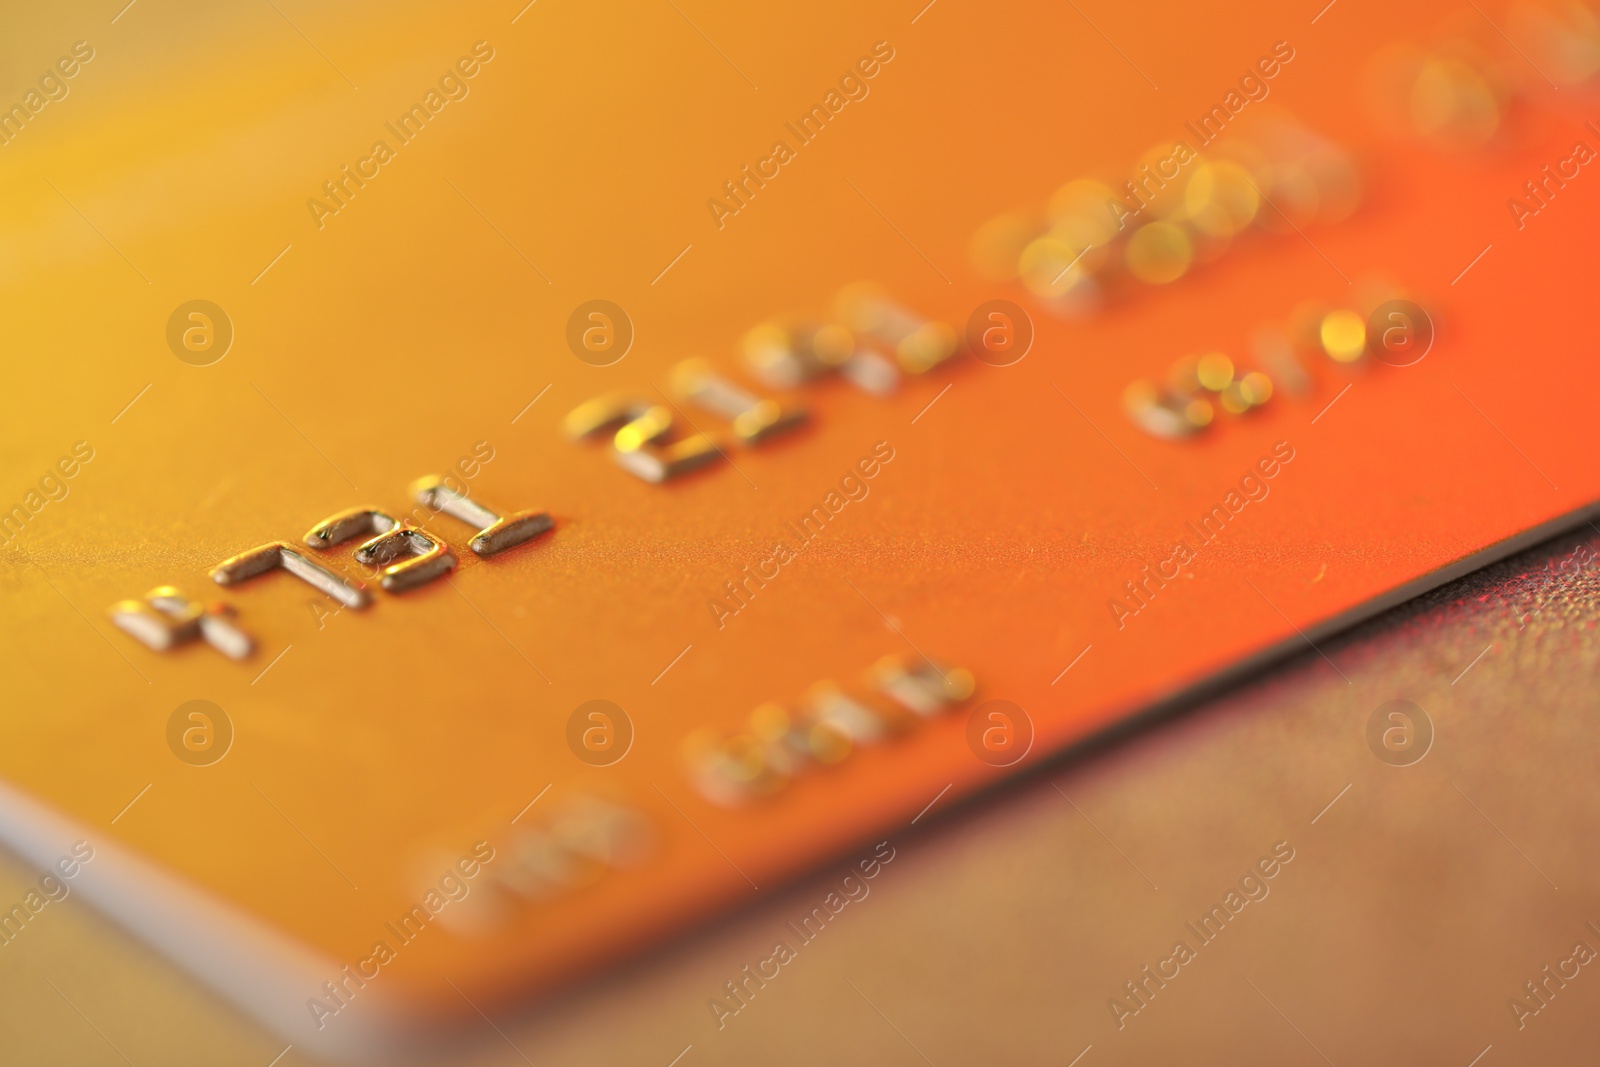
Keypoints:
pixel 489 489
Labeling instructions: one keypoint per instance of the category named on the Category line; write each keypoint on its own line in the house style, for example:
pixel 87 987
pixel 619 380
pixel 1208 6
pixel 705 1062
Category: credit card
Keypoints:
pixel 490 490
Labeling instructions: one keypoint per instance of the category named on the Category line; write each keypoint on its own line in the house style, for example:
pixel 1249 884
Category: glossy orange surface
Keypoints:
pixel 423 325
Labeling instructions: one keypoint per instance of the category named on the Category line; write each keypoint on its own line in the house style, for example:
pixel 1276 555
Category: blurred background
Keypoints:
pixel 1419 901
pixel 1420 787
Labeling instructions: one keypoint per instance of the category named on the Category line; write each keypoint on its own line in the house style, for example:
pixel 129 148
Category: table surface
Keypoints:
pixel 1418 901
